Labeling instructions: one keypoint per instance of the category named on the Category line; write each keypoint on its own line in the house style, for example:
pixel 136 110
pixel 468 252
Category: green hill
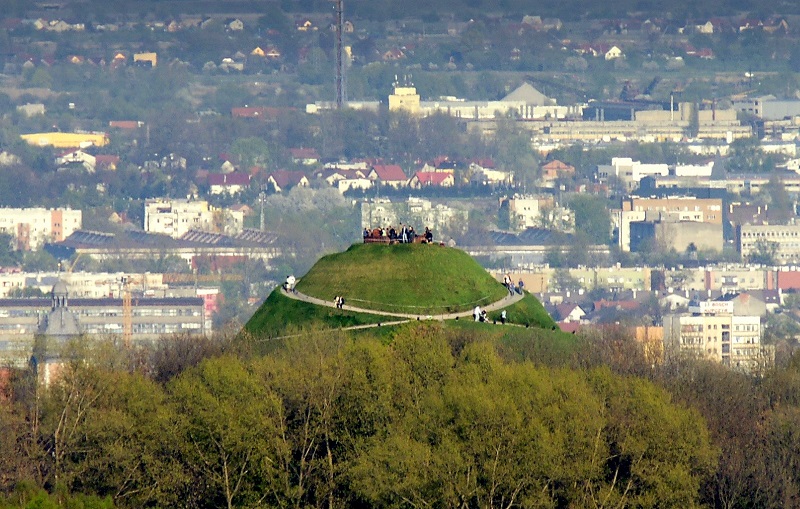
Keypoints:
pixel 279 311
pixel 407 278
pixel 412 278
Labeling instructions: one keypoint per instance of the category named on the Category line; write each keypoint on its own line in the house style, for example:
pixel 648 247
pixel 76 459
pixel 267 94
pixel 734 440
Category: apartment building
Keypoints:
pixel 672 210
pixel 782 242
pixel 712 331
pixel 33 227
pixel 177 217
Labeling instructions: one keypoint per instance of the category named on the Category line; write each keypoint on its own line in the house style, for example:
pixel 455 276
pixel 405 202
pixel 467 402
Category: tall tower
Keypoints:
pixel 341 94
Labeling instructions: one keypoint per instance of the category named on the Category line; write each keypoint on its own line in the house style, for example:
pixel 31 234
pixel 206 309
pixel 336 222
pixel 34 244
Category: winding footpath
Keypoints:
pixel 504 302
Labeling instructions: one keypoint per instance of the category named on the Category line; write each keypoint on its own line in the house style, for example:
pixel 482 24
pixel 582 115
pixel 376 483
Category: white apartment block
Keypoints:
pixel 714 333
pixel 88 285
pixel 177 217
pixel 32 228
pixel 783 240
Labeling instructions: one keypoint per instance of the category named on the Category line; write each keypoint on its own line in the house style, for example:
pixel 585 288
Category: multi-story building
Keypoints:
pixel 34 227
pixel 712 331
pixel 22 320
pixel 177 217
pixel 679 236
pixel 780 242
pixel 629 171
pixel 91 285
pixel 635 209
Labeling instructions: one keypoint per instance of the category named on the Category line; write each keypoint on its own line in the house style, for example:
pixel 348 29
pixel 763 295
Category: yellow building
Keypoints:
pixel 404 98
pixel 66 140
pixel 146 57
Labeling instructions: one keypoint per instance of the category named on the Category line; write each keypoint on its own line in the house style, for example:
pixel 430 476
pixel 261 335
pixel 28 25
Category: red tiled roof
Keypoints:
pixel 124 124
pixel 304 153
pixel 106 159
pixel 229 179
pixel 432 178
pixel 285 178
pixel 557 165
pixel 484 163
pixel 389 172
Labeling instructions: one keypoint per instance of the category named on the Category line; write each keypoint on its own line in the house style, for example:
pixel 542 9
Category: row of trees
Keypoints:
pixel 436 419
pixel 440 417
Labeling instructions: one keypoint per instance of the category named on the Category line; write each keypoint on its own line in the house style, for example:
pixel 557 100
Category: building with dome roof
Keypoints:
pixel 60 323
pixel 41 326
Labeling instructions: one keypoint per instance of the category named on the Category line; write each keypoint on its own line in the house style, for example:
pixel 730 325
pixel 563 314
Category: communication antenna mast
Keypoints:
pixel 341 94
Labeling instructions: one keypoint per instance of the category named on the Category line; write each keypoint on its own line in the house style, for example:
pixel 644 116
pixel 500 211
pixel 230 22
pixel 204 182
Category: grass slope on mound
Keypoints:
pixel 528 311
pixel 403 278
pixel 279 311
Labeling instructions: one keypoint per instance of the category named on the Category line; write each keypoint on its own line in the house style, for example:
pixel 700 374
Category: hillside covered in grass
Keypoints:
pixel 405 278
pixel 280 311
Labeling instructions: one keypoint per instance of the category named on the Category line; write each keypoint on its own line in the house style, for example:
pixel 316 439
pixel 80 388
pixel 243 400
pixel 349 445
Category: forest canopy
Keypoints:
pixel 325 419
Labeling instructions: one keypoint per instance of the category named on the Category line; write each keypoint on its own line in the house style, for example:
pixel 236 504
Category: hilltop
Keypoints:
pixel 413 278
pixel 408 278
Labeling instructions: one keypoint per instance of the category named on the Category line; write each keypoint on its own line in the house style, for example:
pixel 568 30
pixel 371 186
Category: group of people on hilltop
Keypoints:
pixel 404 235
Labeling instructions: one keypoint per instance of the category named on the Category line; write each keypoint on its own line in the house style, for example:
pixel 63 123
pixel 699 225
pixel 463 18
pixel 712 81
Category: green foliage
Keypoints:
pixel 8 256
pixel 764 252
pixel 781 206
pixel 592 218
pixel 251 152
pixel 513 151
pixel 229 432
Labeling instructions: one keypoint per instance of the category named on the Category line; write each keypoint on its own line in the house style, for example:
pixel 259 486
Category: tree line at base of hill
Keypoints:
pixel 439 417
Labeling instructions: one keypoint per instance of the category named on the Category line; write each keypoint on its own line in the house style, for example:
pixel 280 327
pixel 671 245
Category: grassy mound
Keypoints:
pixel 528 311
pixel 404 278
pixel 278 311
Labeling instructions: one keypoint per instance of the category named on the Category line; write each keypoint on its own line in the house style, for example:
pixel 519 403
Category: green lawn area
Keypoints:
pixel 528 311
pixel 279 312
pixel 405 278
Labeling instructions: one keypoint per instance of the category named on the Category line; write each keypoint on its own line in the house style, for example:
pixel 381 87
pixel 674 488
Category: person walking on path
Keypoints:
pixel 476 313
pixel 503 317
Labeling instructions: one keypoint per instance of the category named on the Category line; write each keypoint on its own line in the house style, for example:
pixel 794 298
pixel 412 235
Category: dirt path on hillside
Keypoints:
pixel 504 302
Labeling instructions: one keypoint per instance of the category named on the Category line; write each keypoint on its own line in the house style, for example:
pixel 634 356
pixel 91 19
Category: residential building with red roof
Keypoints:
pixel 283 180
pixel 106 162
pixel 306 156
pixel 429 178
pixel 231 183
pixel 388 175
pixel 556 169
